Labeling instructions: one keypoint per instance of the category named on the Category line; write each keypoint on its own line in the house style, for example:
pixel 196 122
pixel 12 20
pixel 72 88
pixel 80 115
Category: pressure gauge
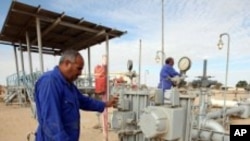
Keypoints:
pixel 184 64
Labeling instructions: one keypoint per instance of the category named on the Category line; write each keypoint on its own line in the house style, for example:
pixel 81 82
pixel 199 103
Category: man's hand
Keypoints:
pixel 112 102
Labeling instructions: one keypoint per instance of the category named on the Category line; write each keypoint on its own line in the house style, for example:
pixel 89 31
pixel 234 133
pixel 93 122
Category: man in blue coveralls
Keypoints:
pixel 167 72
pixel 58 100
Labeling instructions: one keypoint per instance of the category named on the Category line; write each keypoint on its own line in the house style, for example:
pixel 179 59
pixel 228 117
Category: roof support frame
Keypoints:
pixel 77 23
pixel 61 23
pixel 69 39
pixel 28 23
pixel 57 51
pixel 50 52
pixel 57 30
pixel 48 29
pixel 101 33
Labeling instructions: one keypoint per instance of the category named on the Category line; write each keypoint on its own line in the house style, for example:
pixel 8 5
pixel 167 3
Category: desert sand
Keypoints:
pixel 16 122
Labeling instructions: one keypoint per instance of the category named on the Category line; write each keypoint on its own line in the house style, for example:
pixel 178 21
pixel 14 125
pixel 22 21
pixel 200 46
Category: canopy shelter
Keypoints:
pixel 34 29
pixel 58 31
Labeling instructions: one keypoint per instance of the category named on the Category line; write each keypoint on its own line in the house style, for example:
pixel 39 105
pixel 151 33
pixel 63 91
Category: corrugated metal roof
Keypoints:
pixel 58 31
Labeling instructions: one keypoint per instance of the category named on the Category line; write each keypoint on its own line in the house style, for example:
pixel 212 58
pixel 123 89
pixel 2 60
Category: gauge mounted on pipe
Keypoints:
pixel 184 64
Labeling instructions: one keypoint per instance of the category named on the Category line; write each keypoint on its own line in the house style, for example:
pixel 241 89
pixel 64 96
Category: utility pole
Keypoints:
pixel 162 44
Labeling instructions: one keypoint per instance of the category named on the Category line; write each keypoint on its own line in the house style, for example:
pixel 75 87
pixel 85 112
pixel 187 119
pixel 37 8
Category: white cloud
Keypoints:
pixel 192 29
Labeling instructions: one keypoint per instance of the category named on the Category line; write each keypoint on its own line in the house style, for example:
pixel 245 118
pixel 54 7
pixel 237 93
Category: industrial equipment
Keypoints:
pixel 139 117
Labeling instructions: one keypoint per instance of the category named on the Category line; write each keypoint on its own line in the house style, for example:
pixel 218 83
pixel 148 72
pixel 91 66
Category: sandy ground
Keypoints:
pixel 16 122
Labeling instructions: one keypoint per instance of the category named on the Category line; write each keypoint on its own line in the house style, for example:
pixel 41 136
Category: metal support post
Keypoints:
pixel 106 95
pixel 220 44
pixel 29 53
pixel 21 56
pixel 17 68
pixel 139 77
pixel 162 56
pixel 39 41
pixel 89 66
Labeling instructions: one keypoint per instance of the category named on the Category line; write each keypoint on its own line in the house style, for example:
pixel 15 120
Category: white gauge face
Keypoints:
pixel 184 64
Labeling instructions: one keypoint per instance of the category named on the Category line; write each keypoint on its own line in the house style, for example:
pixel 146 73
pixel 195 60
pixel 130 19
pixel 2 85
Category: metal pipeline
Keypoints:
pixel 202 134
pixel 186 102
pixel 202 104
pixel 213 125
pixel 220 103
pixel 219 113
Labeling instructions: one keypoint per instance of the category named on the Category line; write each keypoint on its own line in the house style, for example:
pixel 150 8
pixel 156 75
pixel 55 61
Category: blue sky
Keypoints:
pixel 192 28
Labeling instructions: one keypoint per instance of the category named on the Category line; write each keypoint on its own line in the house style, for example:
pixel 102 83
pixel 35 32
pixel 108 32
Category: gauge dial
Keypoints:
pixel 184 64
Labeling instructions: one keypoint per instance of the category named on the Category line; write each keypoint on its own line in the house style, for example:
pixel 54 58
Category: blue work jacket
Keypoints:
pixel 167 72
pixel 58 103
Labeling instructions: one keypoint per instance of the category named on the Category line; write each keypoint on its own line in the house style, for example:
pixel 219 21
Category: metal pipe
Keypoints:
pixel 219 113
pixel 186 104
pixel 220 103
pixel 203 93
pixel 39 41
pixel 201 134
pixel 213 125
pixel 205 69
pixel 202 104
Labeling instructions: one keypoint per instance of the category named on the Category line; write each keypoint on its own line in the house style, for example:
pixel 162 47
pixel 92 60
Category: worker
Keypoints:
pixel 58 100
pixel 166 73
